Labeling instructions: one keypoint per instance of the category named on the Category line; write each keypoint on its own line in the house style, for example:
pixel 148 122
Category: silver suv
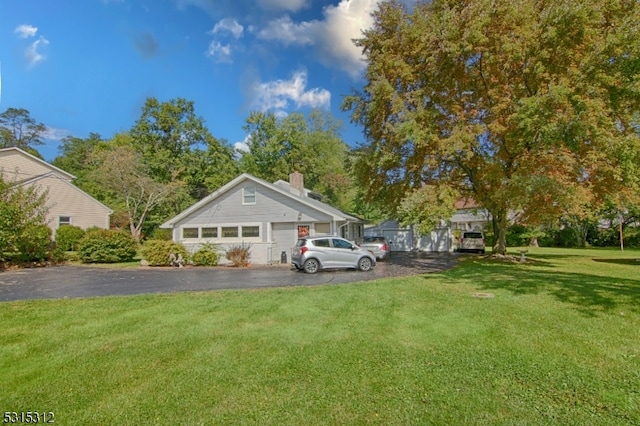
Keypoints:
pixel 312 254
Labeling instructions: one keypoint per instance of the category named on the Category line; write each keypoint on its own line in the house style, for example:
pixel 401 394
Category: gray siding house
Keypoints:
pixel 67 204
pixel 268 216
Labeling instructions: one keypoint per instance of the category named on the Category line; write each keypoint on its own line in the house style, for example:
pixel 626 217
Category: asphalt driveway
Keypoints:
pixel 87 281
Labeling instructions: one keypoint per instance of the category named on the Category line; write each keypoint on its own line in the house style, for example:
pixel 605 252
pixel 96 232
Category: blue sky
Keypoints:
pixel 82 66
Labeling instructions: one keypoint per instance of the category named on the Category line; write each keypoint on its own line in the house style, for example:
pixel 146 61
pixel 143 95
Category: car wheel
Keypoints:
pixel 311 266
pixel 364 264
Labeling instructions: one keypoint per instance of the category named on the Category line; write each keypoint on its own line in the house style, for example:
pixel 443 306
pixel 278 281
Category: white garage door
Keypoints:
pixel 399 239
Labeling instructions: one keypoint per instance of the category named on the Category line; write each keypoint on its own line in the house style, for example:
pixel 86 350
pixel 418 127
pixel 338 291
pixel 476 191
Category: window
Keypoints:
pixel 303 231
pixel 209 232
pixel 249 195
pixel 250 231
pixel 342 244
pixel 321 243
pixel 189 232
pixel 323 228
pixel 229 232
pixel 64 220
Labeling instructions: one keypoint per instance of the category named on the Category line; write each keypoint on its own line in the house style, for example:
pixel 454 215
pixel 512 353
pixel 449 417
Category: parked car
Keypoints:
pixel 312 254
pixel 377 245
pixel 472 241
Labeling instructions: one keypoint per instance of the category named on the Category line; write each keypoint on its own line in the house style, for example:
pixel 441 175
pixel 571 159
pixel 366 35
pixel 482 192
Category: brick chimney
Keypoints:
pixel 296 181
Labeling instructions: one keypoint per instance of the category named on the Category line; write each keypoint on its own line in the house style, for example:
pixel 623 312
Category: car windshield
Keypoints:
pixel 374 239
pixel 301 242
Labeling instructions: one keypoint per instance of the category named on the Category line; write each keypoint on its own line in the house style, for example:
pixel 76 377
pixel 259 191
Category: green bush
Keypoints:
pixel 68 236
pixel 239 255
pixel 158 252
pixel 34 244
pixel 206 256
pixel 161 234
pixel 106 246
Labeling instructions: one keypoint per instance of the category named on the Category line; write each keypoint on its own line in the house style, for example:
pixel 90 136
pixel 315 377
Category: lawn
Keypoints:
pixel 553 341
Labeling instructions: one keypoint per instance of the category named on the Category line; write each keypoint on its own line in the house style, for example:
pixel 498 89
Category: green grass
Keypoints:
pixel 558 343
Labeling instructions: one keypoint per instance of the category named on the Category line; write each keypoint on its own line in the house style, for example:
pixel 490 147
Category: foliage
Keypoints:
pixel 22 212
pixel 106 246
pixel 239 255
pixel 207 255
pixel 311 145
pixel 175 145
pixel 18 129
pixel 426 207
pixel 158 252
pixel 121 171
pixel 161 234
pixel 524 106
pixel 68 236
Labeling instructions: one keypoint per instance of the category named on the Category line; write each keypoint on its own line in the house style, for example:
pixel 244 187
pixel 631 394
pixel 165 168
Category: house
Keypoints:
pixel 268 216
pixel 67 204
pixel 469 216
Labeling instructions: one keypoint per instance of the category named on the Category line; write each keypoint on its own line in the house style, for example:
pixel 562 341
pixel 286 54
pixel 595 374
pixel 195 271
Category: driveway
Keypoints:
pixel 88 281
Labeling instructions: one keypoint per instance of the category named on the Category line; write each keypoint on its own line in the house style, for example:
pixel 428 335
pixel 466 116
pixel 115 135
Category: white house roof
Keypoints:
pixel 43 163
pixel 315 204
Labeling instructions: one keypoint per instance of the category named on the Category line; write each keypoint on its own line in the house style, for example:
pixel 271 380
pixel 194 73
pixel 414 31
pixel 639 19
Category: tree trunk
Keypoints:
pixel 500 232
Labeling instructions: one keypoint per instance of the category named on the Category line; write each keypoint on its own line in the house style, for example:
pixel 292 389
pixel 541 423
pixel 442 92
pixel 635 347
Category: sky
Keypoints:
pixel 82 66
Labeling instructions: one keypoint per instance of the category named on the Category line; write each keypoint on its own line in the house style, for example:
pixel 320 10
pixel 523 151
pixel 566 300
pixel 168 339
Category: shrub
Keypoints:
pixel 34 243
pixel 67 237
pixel 106 246
pixel 239 255
pixel 157 252
pixel 206 256
pixel 161 234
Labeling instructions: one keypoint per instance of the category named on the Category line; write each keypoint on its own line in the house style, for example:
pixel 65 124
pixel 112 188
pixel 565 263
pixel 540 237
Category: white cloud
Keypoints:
pixel 53 134
pixel 219 52
pixel 228 25
pixel 333 36
pixel 242 147
pixel 26 31
pixel 277 96
pixel 33 54
pixel 288 5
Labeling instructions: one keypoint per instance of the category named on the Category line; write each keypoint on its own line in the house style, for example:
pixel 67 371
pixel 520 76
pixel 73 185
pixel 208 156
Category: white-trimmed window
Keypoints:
pixel 210 232
pixel 323 228
pixel 64 220
pixel 249 195
pixel 190 233
pixel 229 232
pixel 250 231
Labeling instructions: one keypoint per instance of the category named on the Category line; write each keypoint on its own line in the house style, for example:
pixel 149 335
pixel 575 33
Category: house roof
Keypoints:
pixel 466 203
pixel 62 173
pixel 315 204
pixel 66 182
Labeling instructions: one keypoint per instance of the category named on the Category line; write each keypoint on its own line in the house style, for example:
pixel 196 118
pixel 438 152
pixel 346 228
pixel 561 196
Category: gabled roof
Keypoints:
pixel 62 173
pixel 315 204
pixel 66 182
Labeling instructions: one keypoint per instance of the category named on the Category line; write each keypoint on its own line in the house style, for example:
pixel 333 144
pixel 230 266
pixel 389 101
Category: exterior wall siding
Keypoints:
pixel 63 199
pixel 16 166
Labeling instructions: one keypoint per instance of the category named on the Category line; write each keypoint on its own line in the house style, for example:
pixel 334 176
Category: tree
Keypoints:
pixel 22 210
pixel 18 129
pixel 176 146
pixel 520 104
pixel 311 145
pixel 121 171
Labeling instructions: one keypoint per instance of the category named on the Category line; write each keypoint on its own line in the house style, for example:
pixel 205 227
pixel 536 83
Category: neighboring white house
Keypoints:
pixel 268 216
pixel 67 204
pixel 469 216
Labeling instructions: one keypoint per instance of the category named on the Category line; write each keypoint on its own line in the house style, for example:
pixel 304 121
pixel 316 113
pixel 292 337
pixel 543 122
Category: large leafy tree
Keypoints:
pixel 524 105
pixel 311 145
pixel 18 129
pixel 175 145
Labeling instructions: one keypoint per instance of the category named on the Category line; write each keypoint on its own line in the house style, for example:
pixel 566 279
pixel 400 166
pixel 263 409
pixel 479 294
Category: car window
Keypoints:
pixel 301 242
pixel 472 235
pixel 374 239
pixel 342 244
pixel 322 243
